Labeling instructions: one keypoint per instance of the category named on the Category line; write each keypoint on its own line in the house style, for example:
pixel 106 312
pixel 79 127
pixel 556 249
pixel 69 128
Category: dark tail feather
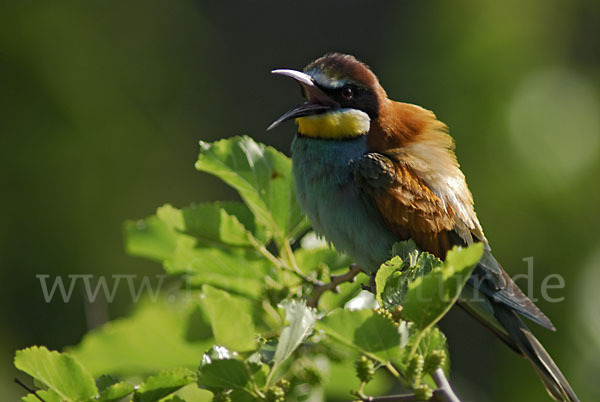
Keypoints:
pixel 556 384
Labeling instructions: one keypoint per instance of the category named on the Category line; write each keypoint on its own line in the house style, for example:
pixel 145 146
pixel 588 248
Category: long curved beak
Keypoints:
pixel 317 101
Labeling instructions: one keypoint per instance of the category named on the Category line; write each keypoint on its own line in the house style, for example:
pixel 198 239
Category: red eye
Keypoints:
pixel 347 92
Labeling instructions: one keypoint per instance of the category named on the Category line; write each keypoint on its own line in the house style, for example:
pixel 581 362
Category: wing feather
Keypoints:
pixel 406 204
pixel 410 209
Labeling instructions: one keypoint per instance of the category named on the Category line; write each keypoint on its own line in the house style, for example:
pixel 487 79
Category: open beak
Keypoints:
pixel 317 101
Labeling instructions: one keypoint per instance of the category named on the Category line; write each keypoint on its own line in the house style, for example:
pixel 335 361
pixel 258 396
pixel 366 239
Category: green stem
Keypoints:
pixel 268 255
pixel 272 312
pixel 281 264
pixel 287 248
pixel 293 267
pixel 270 377
pixel 384 363
pixel 415 345
pixel 361 391
pixel 429 326
pixel 390 367
pixel 257 392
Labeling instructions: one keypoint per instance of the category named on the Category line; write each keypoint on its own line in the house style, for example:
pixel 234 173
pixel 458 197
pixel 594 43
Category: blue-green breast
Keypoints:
pixel 326 191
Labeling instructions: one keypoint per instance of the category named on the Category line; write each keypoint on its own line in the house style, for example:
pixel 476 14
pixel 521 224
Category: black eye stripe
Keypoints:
pixel 337 92
pixel 362 98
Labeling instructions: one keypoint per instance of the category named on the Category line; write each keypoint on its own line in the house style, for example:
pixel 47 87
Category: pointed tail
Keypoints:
pixel 556 384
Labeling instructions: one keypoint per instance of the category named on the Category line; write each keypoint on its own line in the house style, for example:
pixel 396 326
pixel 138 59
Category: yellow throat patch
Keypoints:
pixel 337 124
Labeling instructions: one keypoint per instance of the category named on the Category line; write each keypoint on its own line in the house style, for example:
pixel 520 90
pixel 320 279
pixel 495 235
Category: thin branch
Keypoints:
pixel 372 286
pixel 31 391
pixel 444 393
pixel 336 280
pixel 391 398
pixel 279 263
pixel 267 254
pixel 299 274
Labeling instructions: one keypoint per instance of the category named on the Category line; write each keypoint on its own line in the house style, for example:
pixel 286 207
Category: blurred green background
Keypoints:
pixel 103 102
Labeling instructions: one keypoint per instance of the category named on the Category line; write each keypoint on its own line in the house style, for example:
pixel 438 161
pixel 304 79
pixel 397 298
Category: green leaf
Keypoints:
pixel 262 177
pixel 366 331
pixel 220 222
pixel 309 260
pixel 259 372
pixel 407 250
pixel 151 238
pixel 115 392
pixel 301 321
pixel 164 383
pixel 394 289
pixel 230 319
pixel 239 395
pixel 173 398
pixel 105 381
pixel 111 389
pixel 181 254
pixel 429 340
pixel 342 378
pixel 152 339
pixel 426 263
pixel 395 276
pixel 46 395
pixel 191 393
pixel 224 374
pixel 171 216
pixel 61 373
pixel 383 273
pixel 220 268
pixel 429 297
pixel 432 340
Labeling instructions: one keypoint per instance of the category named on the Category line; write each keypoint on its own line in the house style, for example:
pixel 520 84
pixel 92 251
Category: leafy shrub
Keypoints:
pixel 260 314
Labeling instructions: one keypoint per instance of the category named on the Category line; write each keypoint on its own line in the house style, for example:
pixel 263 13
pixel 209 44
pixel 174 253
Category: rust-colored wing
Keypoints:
pixel 408 207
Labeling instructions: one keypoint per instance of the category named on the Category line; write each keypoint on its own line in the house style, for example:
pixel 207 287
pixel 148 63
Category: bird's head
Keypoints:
pixel 342 96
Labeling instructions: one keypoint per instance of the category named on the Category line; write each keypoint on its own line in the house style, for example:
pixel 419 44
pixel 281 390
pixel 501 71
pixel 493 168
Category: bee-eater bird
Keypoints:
pixel 370 172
